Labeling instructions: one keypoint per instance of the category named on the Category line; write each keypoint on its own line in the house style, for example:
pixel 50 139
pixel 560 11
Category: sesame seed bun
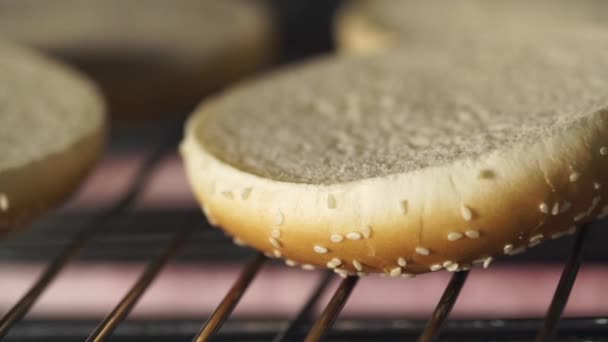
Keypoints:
pixel 408 162
pixel 150 57
pixel 366 26
pixel 51 133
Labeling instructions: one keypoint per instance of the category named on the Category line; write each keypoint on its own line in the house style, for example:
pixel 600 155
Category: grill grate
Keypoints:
pixel 293 329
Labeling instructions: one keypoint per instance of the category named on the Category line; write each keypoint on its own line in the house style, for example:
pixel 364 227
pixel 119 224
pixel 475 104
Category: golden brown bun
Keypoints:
pixel 408 162
pixel 51 133
pixel 152 57
pixel 363 26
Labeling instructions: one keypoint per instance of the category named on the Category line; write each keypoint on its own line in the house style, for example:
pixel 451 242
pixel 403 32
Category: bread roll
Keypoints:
pixel 408 162
pixel 51 133
pixel 150 57
pixel 367 26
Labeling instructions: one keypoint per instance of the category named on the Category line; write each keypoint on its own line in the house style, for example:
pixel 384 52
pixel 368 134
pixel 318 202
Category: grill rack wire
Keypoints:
pixel 291 332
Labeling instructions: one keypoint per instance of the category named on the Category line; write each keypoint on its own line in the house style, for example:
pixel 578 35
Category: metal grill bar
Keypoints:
pixel 444 307
pixel 290 332
pixel 562 292
pixel 124 307
pixel 75 247
pixel 230 301
pixel 333 309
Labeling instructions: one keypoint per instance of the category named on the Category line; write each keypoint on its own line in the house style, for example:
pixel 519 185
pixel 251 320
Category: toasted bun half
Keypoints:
pixel 408 162
pixel 366 26
pixel 152 57
pixel 51 133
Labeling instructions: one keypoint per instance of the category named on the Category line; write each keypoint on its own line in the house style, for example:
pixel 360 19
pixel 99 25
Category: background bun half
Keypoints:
pixel 52 130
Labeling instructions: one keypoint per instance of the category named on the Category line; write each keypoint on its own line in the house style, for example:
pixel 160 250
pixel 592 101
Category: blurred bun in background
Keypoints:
pixel 52 131
pixel 149 57
pixel 367 26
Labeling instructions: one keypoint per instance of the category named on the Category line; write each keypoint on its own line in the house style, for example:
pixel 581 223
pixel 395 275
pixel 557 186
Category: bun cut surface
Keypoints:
pixel 51 132
pixel 411 161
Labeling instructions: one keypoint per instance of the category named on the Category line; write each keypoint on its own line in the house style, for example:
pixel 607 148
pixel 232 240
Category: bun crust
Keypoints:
pixel 53 133
pixel 450 215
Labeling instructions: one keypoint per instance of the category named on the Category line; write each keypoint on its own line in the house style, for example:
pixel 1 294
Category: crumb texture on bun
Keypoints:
pixel 411 161
pixel 149 57
pixel 365 26
pixel 51 131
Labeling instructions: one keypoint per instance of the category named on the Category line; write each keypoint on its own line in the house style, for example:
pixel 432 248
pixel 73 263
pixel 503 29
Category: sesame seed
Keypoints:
pixel 245 194
pixel 395 272
pixel 308 267
pixel 331 202
pixel 277 253
pixel 508 248
pixel 453 267
pixel 472 234
pixel 336 238
pixel 279 218
pixel 354 236
pixel 555 209
pixel 447 263
pixel 466 213
pixel 408 275
pixel 404 207
pixel 466 268
pixel 534 243
pixel 603 214
pixel 580 216
pixel 366 231
pixel 544 208
pixel 320 249
pixel 597 185
pixel 601 321
pixel 210 218
pixel 402 262
pixel 362 274
pixel 290 263
pixel 4 203
pixel 536 237
pixel 487 262
pixel 436 267
pixel 358 265
pixel 422 251
pixel 239 242
pixel 453 236
pixel 228 194
pixel 274 242
pixel 558 235
pixel 342 274
pixel 341 271
pixel 594 202
pixel 479 261
pixel 565 207
pixel 604 150
pixel 331 265
pixel 518 250
pixel 574 176
pixel 276 233
pixel 336 261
